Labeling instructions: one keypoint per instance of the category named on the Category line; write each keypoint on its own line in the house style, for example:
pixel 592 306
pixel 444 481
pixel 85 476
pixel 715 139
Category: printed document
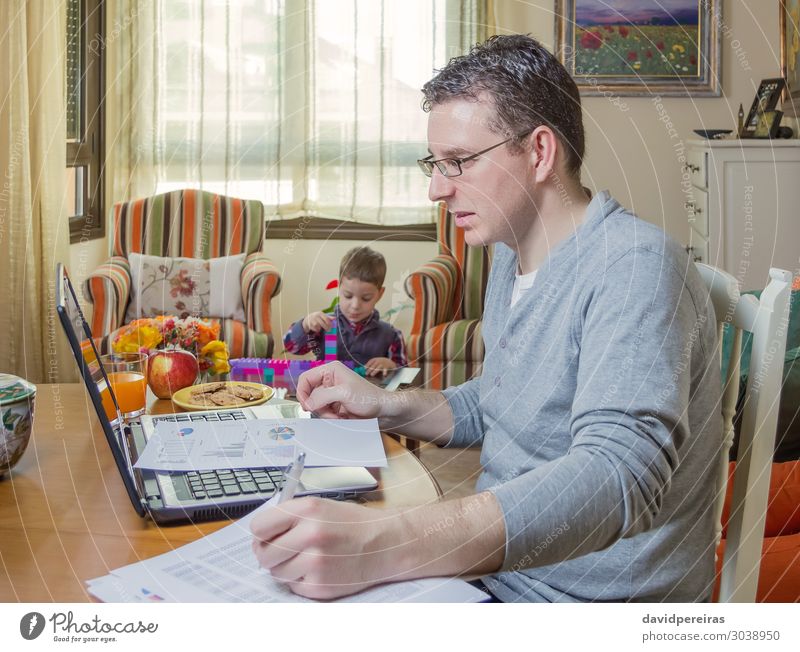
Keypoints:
pixel 205 446
pixel 221 567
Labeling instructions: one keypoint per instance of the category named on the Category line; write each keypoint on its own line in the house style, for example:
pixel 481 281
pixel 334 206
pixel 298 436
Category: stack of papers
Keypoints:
pixel 221 567
pixel 254 443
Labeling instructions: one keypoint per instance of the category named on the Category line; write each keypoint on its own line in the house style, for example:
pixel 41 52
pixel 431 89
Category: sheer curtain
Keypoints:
pixel 34 229
pixel 311 106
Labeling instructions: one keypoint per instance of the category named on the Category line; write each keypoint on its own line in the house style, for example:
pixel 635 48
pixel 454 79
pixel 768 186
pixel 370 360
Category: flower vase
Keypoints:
pixel 169 370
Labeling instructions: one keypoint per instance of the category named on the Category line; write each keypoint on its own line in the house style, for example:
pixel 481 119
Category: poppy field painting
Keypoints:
pixel 637 47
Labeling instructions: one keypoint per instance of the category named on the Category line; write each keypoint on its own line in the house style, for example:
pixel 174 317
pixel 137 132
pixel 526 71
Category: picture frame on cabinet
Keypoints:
pixel 766 99
pixel 768 123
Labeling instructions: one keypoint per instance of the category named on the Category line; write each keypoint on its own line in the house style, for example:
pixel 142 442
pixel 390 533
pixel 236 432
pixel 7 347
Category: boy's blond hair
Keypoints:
pixel 365 265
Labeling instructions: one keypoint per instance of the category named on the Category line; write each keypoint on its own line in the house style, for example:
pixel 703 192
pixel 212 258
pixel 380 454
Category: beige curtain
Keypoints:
pixel 132 83
pixel 34 231
pixel 311 106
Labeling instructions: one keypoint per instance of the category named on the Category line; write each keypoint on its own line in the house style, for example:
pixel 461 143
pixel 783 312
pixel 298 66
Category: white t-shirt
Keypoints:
pixel 522 283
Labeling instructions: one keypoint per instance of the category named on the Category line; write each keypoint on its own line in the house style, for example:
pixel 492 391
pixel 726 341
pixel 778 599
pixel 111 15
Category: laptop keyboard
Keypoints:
pixel 226 482
pixel 232 415
pixel 233 482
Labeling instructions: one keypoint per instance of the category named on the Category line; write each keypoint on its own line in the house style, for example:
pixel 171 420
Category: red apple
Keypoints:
pixel 169 371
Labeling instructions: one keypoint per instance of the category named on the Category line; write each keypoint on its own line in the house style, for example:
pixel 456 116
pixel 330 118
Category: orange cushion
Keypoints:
pixel 779 575
pixel 783 507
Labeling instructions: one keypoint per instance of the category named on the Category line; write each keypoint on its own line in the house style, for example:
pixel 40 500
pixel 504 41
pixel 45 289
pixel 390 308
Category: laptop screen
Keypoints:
pixel 102 396
pixel 86 347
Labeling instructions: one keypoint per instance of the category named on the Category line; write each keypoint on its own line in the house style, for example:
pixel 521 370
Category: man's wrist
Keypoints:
pixel 465 536
pixel 393 406
pixel 403 538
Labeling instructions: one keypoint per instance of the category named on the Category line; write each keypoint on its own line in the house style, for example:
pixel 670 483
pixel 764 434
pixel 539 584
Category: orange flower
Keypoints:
pixel 206 332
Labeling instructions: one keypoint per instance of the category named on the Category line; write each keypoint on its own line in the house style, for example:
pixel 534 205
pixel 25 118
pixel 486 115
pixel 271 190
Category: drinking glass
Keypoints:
pixel 127 373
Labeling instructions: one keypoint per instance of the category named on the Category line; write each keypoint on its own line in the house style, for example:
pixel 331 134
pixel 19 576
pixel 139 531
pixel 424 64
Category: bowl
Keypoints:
pixel 17 397
pixel 712 133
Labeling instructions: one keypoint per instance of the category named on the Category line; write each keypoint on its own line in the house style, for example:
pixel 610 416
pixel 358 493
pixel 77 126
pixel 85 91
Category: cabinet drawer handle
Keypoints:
pixel 695 258
pixel 688 167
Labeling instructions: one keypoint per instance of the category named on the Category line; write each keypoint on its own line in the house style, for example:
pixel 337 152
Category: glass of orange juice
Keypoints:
pixel 126 373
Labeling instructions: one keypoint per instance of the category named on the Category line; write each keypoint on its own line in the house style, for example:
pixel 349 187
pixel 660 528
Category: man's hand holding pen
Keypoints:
pixel 325 549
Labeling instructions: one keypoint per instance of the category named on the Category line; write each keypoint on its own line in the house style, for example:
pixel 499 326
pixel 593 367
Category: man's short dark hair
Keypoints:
pixel 527 84
pixel 365 265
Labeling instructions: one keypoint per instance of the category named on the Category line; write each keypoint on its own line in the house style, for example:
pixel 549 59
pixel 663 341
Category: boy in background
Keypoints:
pixel 361 335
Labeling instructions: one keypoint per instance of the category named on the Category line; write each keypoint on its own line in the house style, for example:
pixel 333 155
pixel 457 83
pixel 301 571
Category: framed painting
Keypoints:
pixel 641 47
pixel 790 49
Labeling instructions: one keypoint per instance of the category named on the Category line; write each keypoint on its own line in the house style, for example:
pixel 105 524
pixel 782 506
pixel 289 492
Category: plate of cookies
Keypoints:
pixel 222 395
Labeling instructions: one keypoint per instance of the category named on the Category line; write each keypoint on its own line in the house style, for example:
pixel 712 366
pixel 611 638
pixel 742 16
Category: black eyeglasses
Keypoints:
pixel 451 167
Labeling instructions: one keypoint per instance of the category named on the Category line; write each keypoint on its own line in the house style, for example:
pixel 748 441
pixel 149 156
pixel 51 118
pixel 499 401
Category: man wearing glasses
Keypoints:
pixel 598 406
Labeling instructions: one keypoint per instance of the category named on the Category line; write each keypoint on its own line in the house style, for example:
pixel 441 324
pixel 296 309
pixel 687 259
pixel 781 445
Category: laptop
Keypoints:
pixel 189 496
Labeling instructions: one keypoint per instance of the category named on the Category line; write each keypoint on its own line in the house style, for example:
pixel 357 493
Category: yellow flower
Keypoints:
pixel 678 48
pixel 214 347
pixel 216 352
pixel 136 336
pixel 220 367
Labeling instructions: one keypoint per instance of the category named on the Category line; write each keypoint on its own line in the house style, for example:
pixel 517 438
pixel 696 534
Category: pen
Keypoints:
pixel 292 478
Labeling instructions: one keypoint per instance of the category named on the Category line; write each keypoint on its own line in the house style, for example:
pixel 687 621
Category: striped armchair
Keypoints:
pixel 192 224
pixel 448 292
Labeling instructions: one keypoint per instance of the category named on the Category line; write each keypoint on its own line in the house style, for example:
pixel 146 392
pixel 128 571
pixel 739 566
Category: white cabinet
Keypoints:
pixel 742 199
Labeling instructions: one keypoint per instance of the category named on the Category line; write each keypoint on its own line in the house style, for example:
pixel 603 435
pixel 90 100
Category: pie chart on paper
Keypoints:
pixel 281 433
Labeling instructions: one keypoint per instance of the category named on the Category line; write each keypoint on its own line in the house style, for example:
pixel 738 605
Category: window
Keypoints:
pixel 310 106
pixel 84 86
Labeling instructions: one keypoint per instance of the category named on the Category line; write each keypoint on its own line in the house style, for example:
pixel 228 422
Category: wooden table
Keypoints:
pixel 65 516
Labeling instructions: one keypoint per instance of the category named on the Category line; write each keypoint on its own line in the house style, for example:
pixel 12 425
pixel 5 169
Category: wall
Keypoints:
pixel 631 153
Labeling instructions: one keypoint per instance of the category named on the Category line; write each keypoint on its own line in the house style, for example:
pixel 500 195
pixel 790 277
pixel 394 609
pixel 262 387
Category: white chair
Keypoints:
pixel 767 319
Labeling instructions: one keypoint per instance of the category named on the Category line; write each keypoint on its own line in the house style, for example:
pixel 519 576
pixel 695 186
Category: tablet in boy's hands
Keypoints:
pixel 394 378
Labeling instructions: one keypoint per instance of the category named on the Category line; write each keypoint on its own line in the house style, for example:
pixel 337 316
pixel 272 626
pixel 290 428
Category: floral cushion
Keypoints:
pixel 185 287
